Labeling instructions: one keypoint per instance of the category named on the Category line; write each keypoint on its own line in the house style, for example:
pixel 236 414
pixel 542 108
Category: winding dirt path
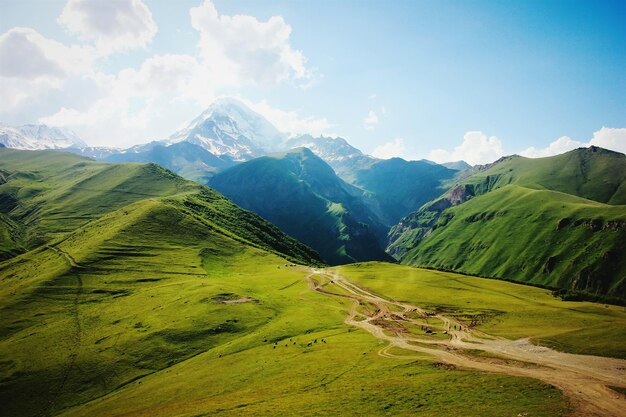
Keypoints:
pixel 582 378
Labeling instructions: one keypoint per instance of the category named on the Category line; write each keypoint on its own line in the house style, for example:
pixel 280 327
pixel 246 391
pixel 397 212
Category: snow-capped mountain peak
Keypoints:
pixel 228 127
pixel 35 137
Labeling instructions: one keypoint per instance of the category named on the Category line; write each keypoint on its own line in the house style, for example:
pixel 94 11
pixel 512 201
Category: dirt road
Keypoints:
pixel 583 378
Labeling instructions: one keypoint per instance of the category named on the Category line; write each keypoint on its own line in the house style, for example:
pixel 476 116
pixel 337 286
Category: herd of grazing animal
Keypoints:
pixel 309 344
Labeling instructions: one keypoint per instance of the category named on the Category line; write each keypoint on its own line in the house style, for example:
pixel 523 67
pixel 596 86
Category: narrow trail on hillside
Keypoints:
pixel 77 333
pixel 582 378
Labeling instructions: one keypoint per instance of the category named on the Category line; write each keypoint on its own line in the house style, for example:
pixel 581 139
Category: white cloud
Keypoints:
pixel 476 148
pixel 180 76
pixel 26 54
pixel 290 121
pixel 245 48
pixel 160 83
pixel 50 82
pixel 113 25
pixel 36 71
pixel 608 138
pixel 141 103
pixel 24 57
pixel 371 120
pixel 136 100
pixel 395 148
pixel 561 145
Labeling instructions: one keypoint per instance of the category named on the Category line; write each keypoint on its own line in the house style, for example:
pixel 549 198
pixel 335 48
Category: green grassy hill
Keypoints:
pixel 176 302
pixel 122 297
pixel 536 236
pixel 301 194
pixel 553 221
pixel 128 240
pixel 46 195
pixel 592 173
pixel 146 320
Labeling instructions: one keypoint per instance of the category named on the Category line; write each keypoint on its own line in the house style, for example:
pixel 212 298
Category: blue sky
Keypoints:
pixel 418 79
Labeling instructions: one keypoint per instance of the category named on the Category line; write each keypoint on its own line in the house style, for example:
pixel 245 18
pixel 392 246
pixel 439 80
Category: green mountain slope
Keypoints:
pixel 303 196
pixel 108 303
pixel 46 195
pixel 536 236
pixel 401 187
pixel 593 173
pixel 528 220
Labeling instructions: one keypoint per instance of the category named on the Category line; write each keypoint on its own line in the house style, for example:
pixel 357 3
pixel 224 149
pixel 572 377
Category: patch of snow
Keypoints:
pixel 230 128
pixel 37 137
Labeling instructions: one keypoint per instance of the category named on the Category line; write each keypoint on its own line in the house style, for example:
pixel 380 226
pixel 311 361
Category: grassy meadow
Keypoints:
pixel 219 329
pixel 179 303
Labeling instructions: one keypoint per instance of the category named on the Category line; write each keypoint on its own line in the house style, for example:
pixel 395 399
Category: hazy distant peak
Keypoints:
pixel 39 136
pixel 457 165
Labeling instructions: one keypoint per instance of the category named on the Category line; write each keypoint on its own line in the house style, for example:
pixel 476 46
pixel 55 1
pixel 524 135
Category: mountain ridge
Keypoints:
pixel 301 194
pixel 590 182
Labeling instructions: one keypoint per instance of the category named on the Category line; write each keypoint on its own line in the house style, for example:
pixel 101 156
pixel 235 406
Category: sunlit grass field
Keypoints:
pixel 158 333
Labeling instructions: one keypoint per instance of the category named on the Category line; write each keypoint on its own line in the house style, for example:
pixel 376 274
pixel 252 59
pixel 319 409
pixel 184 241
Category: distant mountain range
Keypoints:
pixel 226 133
pixel 330 181
pixel 34 137
pixel 558 221
pixel 344 158
pixel 414 182
pixel 457 165
pixel 187 159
